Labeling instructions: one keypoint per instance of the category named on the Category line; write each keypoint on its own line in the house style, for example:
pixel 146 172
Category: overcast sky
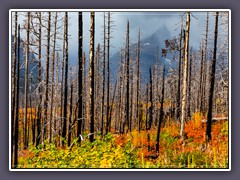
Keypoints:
pixel 148 22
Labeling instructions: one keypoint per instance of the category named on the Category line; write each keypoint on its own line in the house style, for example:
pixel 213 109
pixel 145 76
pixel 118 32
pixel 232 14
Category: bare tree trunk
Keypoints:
pixel 138 81
pixel 185 63
pixel 52 86
pixel 151 101
pixel 39 115
pixel 161 114
pixel 15 162
pixel 179 76
pixel 26 85
pixel 70 109
pixel 91 75
pixel 205 66
pixel 189 84
pixel 108 72
pixel 47 77
pixel 64 130
pixel 212 81
pixel 14 82
pixel 80 76
pixel 104 70
pixel 128 87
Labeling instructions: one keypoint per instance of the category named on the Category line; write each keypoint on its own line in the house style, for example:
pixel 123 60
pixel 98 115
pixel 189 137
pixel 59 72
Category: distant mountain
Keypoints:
pixel 148 53
pixel 32 66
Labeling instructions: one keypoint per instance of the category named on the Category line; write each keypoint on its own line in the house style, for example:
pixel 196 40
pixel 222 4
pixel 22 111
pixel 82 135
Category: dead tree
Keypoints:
pixel 185 63
pixel 103 72
pixel 15 161
pixel 189 84
pixel 52 86
pixel 80 76
pixel 91 75
pixel 14 80
pixel 127 71
pixel 212 81
pixel 39 108
pixel 161 114
pixel 26 84
pixel 138 81
pixel 64 130
pixel 108 71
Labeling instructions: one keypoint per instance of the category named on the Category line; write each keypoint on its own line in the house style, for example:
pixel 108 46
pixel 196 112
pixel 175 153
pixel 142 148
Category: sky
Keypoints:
pixel 148 22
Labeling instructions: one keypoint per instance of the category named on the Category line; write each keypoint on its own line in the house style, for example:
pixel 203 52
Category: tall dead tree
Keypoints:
pixel 138 81
pixel 185 70
pixel 128 78
pixel 65 102
pixel 47 77
pixel 205 66
pixel 108 71
pixel 161 114
pixel 26 84
pixel 103 72
pixel 70 110
pixel 16 128
pixel 189 84
pixel 91 75
pixel 80 76
pixel 39 108
pixel 14 80
pixel 179 75
pixel 151 100
pixel 52 86
pixel 212 81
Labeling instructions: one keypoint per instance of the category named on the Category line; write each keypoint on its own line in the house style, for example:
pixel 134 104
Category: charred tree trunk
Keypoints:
pixel 14 63
pixel 161 114
pixel 64 130
pixel 80 76
pixel 103 71
pixel 151 100
pixel 91 75
pixel 212 81
pixel 16 137
pixel 138 82
pixel 26 85
pixel 128 87
pixel 39 114
pixel 108 73
pixel 52 86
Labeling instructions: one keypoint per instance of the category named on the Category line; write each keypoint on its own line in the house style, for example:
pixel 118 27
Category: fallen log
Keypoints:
pixel 216 119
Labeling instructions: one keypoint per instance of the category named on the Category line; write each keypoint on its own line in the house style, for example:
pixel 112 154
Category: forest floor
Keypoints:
pixel 135 150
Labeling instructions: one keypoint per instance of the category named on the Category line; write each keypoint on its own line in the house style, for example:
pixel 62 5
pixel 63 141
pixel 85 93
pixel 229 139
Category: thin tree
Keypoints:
pixel 138 81
pixel 80 76
pixel 161 114
pixel 189 84
pixel 108 70
pixel 52 86
pixel 103 72
pixel 127 71
pixel 15 161
pixel 179 75
pixel 64 130
pixel 212 81
pixel 91 75
pixel 47 77
pixel 26 84
pixel 185 69
pixel 14 79
pixel 39 114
